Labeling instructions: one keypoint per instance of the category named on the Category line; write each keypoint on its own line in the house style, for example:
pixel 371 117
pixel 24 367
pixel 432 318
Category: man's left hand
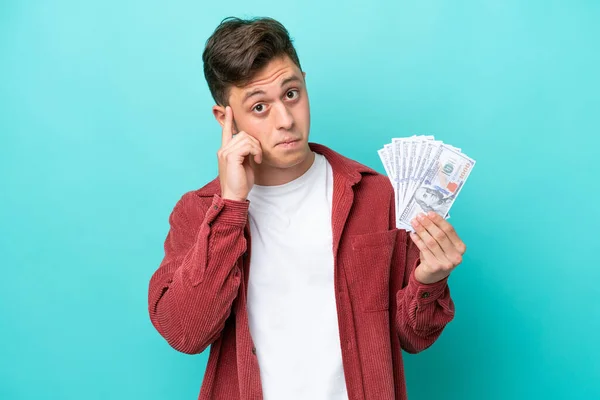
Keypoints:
pixel 441 248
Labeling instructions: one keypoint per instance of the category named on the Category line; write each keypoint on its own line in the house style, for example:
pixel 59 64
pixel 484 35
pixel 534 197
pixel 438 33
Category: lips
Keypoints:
pixel 285 141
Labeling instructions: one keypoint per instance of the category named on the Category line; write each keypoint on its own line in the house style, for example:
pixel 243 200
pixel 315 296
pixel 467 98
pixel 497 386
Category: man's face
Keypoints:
pixel 273 108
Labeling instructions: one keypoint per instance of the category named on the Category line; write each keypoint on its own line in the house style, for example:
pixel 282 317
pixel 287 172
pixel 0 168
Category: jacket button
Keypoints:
pixel 425 295
pixel 254 350
pixel 216 207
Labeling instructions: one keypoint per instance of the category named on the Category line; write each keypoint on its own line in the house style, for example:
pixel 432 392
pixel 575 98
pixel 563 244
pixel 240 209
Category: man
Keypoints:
pixel 289 264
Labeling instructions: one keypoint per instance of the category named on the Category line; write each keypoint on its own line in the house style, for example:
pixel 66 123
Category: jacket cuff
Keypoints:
pixel 230 212
pixel 426 293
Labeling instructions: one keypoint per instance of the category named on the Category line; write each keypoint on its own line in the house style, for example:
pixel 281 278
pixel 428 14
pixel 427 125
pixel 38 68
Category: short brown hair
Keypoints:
pixel 238 48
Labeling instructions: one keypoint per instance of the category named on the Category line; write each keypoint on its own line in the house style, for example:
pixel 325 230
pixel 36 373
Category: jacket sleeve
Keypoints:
pixel 422 311
pixel 191 293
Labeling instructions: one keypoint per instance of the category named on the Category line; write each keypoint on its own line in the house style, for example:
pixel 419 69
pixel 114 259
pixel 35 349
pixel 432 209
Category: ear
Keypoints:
pixel 219 114
pixel 304 74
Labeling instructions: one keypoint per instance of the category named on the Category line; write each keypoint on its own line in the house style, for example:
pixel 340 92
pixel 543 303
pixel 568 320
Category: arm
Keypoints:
pixel 422 310
pixel 191 294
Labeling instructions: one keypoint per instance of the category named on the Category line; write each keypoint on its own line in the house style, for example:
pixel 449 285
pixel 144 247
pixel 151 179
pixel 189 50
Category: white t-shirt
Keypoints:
pixel 291 301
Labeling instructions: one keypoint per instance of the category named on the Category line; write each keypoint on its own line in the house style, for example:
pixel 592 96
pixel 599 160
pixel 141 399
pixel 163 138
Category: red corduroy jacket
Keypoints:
pixel 197 297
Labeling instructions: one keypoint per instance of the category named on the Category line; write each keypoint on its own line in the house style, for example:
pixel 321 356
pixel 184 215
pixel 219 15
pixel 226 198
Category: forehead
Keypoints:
pixel 271 77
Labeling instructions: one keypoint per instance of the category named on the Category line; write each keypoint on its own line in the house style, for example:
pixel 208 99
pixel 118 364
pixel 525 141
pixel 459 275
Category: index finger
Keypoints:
pixel 227 131
pixel 448 229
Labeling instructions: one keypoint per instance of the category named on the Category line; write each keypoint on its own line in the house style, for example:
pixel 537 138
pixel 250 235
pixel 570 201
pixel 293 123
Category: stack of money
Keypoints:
pixel 427 175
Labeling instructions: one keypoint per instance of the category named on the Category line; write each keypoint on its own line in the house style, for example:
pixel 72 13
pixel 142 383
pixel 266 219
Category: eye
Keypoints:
pixel 292 94
pixel 259 108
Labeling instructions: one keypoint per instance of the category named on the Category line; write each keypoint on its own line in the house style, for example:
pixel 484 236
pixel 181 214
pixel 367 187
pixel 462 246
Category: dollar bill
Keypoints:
pixel 426 175
pixel 390 155
pixel 439 186
pixel 422 143
pixel 387 164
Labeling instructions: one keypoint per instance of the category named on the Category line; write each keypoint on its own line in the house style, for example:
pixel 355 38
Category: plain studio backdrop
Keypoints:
pixel 105 121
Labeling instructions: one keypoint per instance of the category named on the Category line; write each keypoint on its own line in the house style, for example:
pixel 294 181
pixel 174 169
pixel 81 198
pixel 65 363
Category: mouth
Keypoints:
pixel 288 142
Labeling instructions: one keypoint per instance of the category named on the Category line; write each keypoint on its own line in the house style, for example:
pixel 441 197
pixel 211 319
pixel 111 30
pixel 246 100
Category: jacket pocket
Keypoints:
pixel 369 269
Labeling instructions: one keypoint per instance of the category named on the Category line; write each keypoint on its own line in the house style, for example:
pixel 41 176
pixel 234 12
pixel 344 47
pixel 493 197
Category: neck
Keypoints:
pixel 266 175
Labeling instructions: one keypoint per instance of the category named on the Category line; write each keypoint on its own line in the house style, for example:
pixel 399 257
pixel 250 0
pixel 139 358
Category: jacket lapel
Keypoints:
pixel 343 196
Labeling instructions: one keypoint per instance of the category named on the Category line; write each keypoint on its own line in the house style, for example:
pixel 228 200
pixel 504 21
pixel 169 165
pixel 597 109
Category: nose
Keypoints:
pixel 283 117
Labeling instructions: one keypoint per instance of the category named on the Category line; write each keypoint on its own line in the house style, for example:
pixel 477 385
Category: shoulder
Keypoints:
pixel 373 181
pixel 352 169
pixel 376 190
pixel 378 181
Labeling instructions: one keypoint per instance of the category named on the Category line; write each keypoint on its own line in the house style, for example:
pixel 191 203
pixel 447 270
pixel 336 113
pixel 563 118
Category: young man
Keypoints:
pixel 289 263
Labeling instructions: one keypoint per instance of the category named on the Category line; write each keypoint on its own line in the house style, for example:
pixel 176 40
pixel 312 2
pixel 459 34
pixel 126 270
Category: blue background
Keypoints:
pixel 105 121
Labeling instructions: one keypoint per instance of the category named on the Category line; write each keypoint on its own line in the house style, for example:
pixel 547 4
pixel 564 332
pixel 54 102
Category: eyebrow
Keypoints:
pixel 255 92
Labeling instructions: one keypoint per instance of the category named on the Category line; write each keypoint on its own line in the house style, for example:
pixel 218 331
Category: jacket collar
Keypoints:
pixel 344 167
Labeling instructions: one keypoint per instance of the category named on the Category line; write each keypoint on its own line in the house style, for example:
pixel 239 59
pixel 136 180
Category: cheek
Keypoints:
pixel 302 112
pixel 256 128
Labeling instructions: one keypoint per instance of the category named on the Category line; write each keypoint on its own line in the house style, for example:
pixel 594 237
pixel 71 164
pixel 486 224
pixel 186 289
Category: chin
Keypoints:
pixel 285 162
pixel 290 160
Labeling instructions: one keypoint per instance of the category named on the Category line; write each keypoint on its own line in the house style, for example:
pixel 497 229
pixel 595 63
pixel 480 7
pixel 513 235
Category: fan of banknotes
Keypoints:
pixel 427 175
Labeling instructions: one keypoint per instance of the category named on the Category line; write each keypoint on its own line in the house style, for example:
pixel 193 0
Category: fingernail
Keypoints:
pixel 420 217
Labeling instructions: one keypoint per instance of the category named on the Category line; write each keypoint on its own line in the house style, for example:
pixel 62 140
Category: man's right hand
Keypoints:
pixel 235 170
